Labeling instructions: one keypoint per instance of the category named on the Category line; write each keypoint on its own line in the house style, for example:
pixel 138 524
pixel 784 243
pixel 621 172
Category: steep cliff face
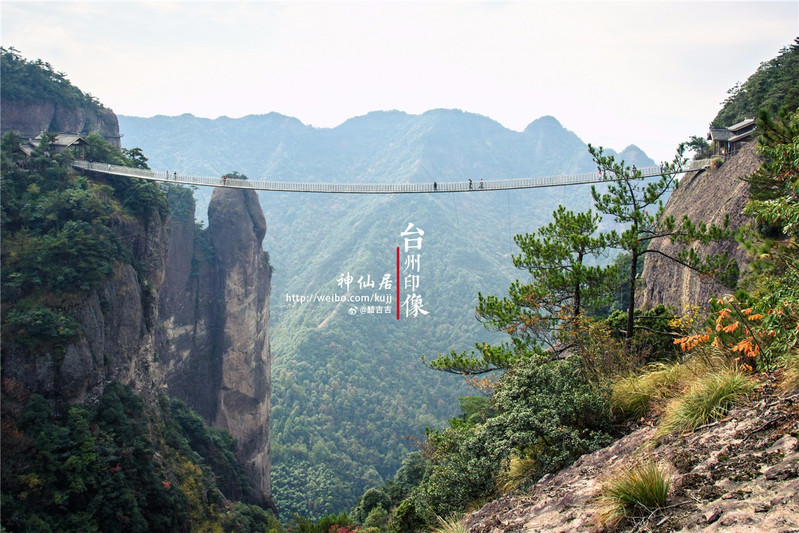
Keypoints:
pixel 30 119
pixel 706 195
pixel 214 348
pixel 117 321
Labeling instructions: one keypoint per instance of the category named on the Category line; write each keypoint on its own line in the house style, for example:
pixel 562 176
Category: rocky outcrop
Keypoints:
pixel 707 196
pixel 187 313
pixel 117 324
pixel 31 119
pixel 738 474
pixel 213 348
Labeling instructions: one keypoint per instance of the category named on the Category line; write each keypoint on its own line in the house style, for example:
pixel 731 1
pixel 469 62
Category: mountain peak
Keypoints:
pixel 633 155
pixel 542 124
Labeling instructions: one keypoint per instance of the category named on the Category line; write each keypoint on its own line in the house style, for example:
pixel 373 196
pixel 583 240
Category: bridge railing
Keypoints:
pixel 362 188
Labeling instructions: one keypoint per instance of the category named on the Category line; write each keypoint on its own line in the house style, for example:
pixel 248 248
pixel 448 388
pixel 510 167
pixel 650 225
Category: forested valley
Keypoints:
pixel 381 426
pixel 340 379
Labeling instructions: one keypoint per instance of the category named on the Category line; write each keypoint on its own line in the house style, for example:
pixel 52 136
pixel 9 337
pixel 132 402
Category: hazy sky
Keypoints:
pixel 615 73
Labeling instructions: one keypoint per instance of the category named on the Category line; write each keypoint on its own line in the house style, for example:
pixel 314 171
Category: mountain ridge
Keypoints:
pixel 323 357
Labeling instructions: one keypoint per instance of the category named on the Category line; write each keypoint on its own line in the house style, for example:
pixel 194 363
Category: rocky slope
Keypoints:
pixel 213 346
pixel 704 195
pixel 740 474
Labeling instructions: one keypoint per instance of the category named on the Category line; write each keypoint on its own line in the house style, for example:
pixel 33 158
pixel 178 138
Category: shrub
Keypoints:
pixel 522 468
pixel 371 499
pixel 39 327
pixel 377 518
pixel 465 463
pixel 653 335
pixel 407 517
pixel 549 406
pixel 643 487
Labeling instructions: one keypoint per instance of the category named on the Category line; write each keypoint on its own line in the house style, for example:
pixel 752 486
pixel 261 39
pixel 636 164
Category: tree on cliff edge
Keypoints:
pixel 563 286
pixel 637 204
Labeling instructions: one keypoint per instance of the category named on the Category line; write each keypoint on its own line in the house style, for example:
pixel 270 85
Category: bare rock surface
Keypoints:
pixel 708 196
pixel 213 347
pixel 31 119
pixel 740 474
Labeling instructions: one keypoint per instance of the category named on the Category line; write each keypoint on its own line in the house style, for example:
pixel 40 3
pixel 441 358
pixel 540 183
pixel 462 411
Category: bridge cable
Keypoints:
pixel 510 237
pixel 455 207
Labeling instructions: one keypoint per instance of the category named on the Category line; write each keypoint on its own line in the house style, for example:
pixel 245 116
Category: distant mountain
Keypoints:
pixel 350 394
pixel 371 147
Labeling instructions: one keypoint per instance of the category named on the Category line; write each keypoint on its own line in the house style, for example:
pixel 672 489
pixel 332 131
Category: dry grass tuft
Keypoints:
pixel 643 488
pixel 520 470
pixel 790 380
pixel 708 399
pixel 634 395
pixel 452 524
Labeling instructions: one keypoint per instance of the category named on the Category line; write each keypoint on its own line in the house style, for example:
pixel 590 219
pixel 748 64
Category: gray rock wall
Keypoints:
pixel 706 196
pixel 214 308
pixel 29 120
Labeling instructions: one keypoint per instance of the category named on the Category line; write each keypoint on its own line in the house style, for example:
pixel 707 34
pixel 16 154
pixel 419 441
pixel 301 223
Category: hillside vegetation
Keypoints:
pixel 37 81
pixel 351 396
pixel 123 461
pixel 771 88
pixel 679 371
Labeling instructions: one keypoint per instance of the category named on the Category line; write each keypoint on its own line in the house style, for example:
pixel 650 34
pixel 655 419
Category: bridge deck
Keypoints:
pixel 367 188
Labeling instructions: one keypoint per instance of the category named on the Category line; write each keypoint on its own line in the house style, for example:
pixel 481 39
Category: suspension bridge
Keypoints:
pixel 469 185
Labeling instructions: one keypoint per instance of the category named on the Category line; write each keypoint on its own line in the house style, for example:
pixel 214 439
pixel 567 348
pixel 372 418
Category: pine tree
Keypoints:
pixel 637 204
pixel 562 287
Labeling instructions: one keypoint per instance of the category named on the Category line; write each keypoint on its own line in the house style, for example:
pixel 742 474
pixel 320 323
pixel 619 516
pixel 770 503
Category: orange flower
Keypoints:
pixel 691 341
pixel 747 347
pixel 732 327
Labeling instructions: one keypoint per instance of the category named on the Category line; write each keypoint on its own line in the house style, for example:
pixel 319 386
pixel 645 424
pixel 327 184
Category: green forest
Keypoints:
pixel 324 360
pixel 535 413
pixel 37 81
pixel 92 467
pixel 567 363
